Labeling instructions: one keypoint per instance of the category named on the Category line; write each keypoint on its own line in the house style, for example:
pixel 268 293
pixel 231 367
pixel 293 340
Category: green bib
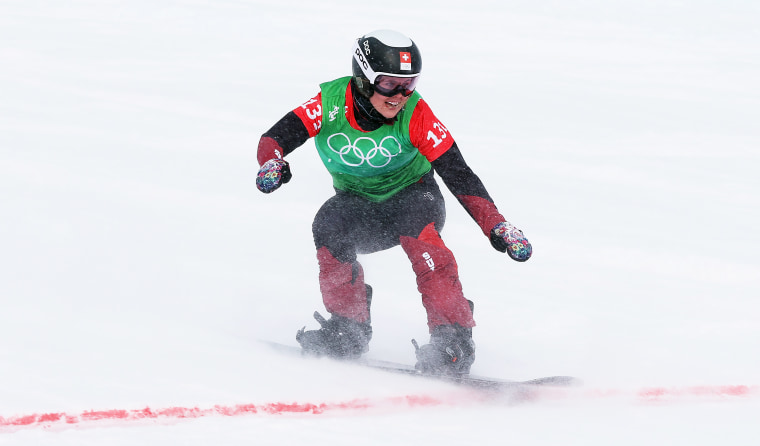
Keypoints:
pixel 376 164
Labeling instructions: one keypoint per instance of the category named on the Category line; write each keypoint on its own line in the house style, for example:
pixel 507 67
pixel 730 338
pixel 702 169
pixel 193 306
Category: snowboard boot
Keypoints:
pixel 338 337
pixel 451 351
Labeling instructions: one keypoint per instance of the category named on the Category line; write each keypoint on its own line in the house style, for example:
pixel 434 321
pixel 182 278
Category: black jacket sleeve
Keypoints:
pixel 285 136
pixel 465 185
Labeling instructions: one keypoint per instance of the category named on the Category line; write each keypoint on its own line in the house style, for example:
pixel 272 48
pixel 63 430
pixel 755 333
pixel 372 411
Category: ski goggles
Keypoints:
pixel 389 86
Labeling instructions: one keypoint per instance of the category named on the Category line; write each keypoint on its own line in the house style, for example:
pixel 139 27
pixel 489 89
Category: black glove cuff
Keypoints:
pixel 498 242
pixel 285 172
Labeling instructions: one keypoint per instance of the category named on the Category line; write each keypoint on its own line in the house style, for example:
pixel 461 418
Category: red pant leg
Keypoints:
pixel 342 287
pixel 438 279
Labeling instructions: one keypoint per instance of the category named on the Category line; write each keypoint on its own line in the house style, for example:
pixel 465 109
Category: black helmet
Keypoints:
pixel 388 53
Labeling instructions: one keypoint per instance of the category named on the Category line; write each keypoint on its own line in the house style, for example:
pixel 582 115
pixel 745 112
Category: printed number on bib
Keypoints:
pixel 437 138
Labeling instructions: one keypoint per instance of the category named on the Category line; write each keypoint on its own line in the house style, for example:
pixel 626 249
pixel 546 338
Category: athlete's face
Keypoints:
pixel 388 106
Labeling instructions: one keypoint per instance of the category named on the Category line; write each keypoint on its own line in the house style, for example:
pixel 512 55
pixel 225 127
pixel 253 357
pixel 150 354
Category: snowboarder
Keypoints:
pixel 381 143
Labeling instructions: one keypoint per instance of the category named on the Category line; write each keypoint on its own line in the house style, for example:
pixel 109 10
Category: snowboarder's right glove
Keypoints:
pixel 272 175
pixel 505 237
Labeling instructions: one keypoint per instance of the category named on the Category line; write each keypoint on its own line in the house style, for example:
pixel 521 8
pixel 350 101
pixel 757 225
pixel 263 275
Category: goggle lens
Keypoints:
pixel 389 86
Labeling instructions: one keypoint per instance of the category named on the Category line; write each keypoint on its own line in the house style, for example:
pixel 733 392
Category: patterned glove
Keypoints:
pixel 272 175
pixel 505 237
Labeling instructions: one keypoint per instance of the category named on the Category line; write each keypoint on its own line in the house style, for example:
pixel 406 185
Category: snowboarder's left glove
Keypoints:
pixel 272 175
pixel 505 237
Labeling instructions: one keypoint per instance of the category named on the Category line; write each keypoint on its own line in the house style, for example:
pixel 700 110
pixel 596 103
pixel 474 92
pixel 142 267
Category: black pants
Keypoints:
pixel 348 224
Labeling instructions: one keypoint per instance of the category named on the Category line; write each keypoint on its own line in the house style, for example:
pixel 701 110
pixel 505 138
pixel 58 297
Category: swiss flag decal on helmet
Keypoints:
pixel 405 60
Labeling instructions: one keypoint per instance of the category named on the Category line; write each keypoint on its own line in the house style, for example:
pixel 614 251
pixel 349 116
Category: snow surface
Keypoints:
pixel 140 266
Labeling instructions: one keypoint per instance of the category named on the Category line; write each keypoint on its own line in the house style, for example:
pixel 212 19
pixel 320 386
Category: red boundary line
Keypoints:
pixel 656 393
pixel 646 395
pixel 176 413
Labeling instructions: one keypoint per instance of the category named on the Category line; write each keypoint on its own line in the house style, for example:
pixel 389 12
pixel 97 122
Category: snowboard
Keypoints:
pixel 489 384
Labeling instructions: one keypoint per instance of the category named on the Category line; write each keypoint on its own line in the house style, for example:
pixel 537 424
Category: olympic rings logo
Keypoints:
pixel 364 149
